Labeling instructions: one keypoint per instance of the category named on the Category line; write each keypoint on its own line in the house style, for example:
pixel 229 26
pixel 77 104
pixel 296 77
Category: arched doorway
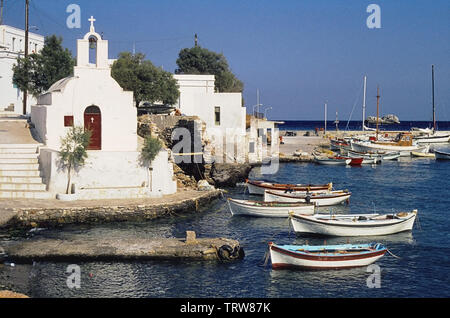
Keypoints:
pixel 93 122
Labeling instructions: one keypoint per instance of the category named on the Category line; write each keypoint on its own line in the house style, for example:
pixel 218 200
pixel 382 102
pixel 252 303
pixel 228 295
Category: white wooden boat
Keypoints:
pixel 403 143
pixel 258 187
pixel 325 256
pixel 442 155
pixel 332 161
pixel 353 224
pixel 378 156
pixel 269 209
pixel 432 138
pixel 319 199
pixel 423 154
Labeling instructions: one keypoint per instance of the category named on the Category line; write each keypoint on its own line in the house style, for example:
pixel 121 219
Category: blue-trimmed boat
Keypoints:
pixel 325 256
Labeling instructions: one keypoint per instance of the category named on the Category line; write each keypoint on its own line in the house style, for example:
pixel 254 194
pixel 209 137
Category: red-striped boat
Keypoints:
pixel 325 256
pixel 258 187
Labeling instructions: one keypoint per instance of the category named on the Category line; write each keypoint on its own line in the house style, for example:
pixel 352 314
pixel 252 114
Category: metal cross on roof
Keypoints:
pixel 91 19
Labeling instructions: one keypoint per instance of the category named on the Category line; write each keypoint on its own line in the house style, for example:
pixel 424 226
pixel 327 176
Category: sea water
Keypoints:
pixel 421 268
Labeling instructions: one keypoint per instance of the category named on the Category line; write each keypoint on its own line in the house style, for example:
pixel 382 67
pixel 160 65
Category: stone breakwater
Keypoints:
pixel 50 213
pixel 128 249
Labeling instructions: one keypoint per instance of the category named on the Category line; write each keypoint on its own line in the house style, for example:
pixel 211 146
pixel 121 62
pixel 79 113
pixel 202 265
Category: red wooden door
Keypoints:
pixel 93 122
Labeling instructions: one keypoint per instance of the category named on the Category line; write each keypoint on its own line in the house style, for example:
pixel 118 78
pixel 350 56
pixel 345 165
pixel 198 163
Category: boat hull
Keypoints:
pixel 282 257
pixel 442 155
pixel 319 199
pixel 258 187
pixel 434 139
pixel 282 210
pixel 372 147
pixel 332 162
pixel 351 226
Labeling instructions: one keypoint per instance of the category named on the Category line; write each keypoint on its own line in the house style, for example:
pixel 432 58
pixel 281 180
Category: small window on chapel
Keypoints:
pixel 217 115
pixel 68 121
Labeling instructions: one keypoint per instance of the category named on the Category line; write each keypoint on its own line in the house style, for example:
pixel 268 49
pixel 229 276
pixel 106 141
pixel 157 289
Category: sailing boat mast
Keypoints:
pixel 432 90
pixel 364 104
pixel 378 105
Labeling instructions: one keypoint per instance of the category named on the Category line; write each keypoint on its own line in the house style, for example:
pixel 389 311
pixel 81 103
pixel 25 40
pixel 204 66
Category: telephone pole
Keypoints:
pixel 1 12
pixel 27 3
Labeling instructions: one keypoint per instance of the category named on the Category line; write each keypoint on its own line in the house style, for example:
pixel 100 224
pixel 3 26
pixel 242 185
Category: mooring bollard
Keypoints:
pixel 191 238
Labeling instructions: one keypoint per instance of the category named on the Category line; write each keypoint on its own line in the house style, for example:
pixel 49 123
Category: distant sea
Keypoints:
pixel 356 125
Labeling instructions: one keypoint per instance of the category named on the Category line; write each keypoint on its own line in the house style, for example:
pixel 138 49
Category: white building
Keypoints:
pixel 12 46
pixel 222 113
pixel 91 98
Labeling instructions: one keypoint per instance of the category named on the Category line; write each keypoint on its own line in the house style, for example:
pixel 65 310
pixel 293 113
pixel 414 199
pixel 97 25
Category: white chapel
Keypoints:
pixel 91 98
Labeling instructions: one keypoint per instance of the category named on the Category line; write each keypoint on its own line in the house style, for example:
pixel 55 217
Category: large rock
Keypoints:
pixel 228 174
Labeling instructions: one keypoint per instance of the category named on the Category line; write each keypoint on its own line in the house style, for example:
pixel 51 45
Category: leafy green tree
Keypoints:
pixel 39 71
pixel 148 82
pixel 73 150
pixel 198 60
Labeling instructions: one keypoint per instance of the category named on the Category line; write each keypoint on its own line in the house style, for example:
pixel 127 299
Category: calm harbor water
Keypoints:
pixel 422 270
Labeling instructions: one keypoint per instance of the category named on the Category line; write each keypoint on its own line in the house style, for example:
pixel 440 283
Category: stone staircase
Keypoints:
pixel 19 173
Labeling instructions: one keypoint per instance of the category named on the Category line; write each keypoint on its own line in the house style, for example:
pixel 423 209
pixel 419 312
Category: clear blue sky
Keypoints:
pixel 298 53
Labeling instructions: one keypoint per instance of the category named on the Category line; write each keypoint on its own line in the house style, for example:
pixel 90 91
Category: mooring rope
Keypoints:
pixel 392 254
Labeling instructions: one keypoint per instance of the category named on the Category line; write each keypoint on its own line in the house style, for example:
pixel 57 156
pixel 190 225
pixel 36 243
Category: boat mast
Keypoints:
pixel 432 94
pixel 325 119
pixel 378 105
pixel 364 104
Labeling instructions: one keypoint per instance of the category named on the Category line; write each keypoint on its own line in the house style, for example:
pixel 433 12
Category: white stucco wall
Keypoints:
pixel 114 171
pixel 198 98
pixel 89 86
pixel 104 170
pixel 12 45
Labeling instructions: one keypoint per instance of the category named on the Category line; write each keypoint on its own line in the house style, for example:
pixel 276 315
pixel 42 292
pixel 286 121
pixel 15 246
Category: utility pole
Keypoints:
pixel 25 93
pixel 1 12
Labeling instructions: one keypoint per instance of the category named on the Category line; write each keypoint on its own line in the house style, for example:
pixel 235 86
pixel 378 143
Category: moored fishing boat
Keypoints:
pixel 402 144
pixel 258 187
pixel 353 224
pixel 353 161
pixel 325 256
pixel 332 161
pixel 442 155
pixel 268 209
pixel 319 199
pixel 432 138
pixel 423 154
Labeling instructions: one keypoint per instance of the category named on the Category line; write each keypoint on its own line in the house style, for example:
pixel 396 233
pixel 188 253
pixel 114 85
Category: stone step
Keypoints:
pixel 23 186
pixel 18 150
pixel 20 179
pixel 15 155
pixel 14 194
pixel 18 160
pixel 19 173
pixel 19 166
